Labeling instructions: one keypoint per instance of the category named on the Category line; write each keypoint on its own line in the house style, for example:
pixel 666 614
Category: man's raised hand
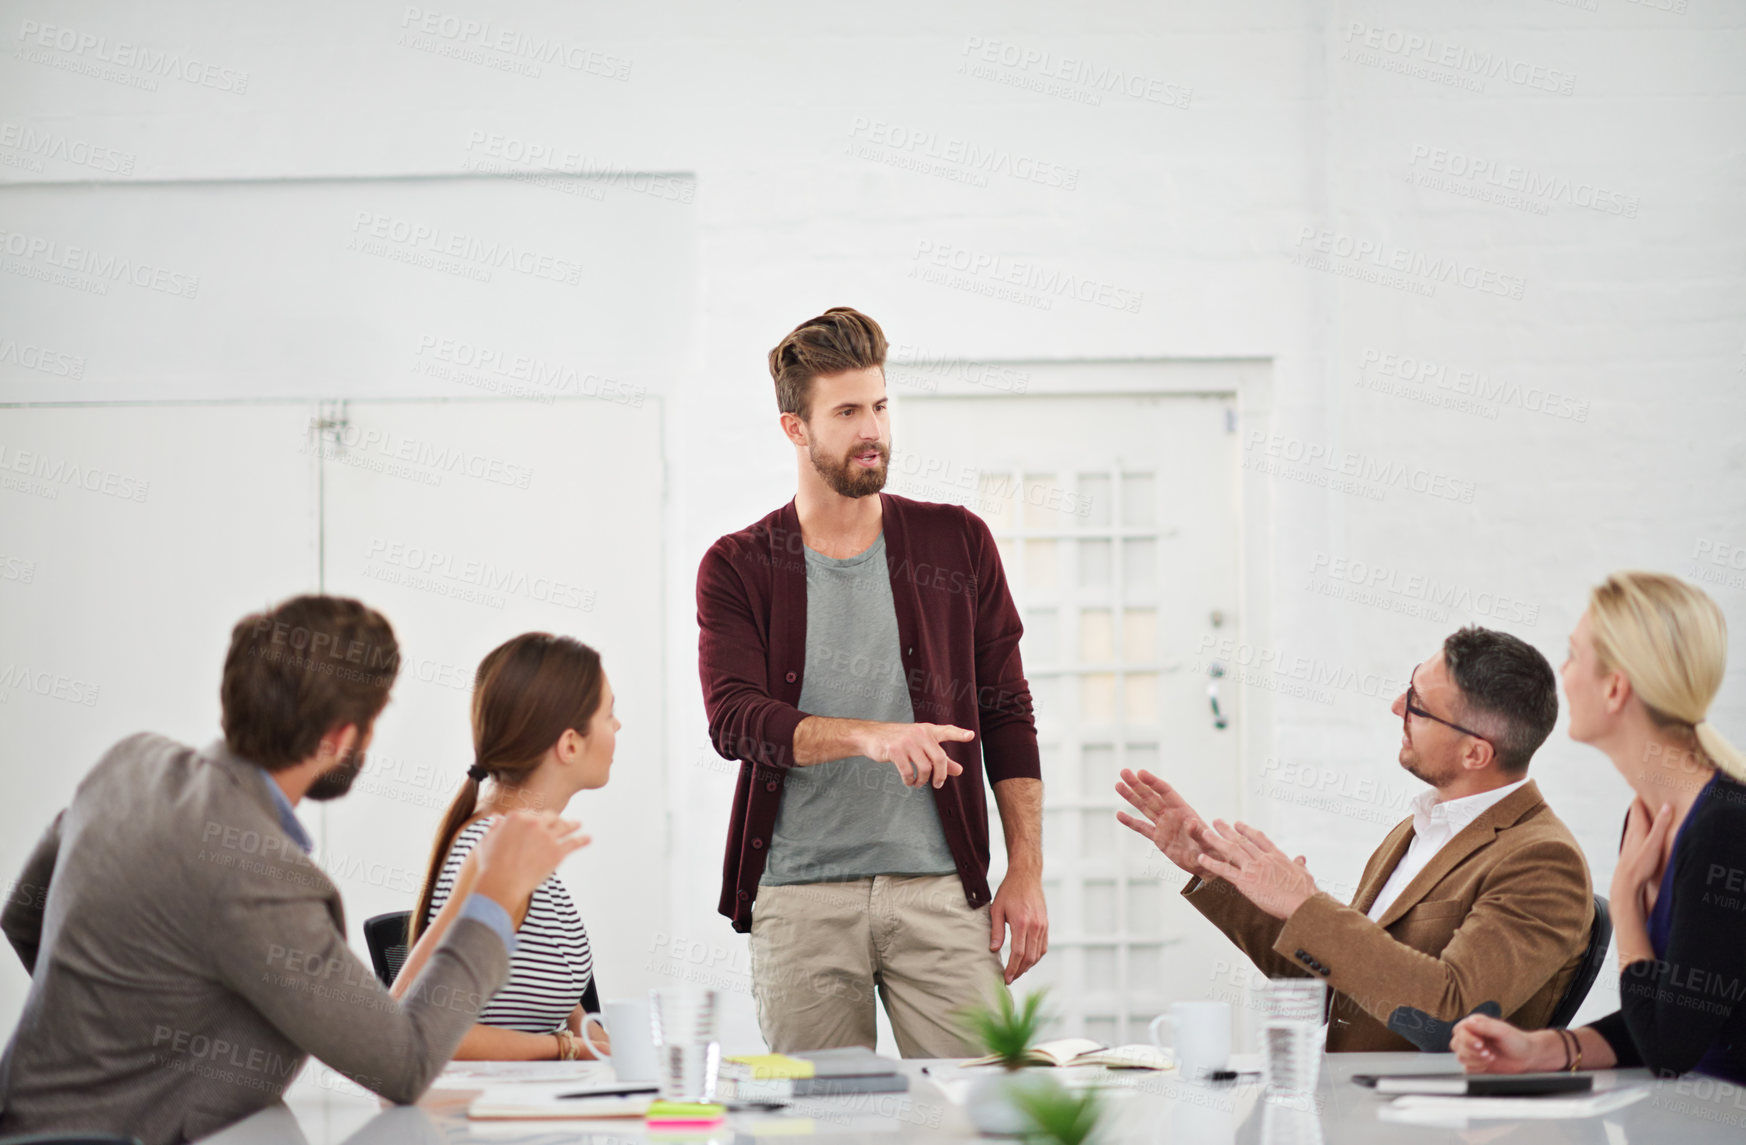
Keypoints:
pixel 1163 816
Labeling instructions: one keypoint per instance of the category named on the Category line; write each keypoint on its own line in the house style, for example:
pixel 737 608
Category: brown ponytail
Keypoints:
pixel 527 693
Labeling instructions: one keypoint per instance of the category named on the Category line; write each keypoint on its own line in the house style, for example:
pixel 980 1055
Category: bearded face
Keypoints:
pixel 859 471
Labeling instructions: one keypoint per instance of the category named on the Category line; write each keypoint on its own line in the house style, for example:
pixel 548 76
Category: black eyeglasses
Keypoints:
pixel 1412 709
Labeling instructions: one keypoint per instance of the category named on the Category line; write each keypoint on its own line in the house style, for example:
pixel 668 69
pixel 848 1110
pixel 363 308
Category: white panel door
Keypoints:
pixel 1117 519
pixel 131 539
pixel 467 523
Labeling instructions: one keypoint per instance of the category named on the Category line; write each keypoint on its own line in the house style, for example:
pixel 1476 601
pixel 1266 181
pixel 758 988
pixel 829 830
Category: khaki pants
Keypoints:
pixel 820 950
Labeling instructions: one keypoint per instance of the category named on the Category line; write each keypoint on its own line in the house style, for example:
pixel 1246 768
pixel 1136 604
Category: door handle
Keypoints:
pixel 1216 671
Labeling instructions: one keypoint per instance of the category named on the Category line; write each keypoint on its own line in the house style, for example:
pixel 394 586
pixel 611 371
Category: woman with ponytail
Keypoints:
pixel 1645 661
pixel 543 729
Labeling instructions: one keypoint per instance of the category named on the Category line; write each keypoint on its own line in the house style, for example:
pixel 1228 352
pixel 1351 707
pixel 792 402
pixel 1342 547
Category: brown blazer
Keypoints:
pixel 1502 913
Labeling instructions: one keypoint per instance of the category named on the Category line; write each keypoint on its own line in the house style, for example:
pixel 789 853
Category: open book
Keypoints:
pixel 1084 1051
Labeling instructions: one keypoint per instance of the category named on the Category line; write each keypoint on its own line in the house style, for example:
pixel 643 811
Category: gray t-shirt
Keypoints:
pixel 853 818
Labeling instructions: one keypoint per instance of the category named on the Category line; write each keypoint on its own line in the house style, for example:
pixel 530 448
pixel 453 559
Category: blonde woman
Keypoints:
pixel 1645 661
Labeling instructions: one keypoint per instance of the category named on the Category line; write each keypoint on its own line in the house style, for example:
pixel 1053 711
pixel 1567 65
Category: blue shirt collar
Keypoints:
pixel 287 814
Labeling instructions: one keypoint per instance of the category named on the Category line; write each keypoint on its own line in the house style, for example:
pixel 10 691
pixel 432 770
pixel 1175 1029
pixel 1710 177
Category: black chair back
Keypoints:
pixel 1587 970
pixel 71 1137
pixel 385 935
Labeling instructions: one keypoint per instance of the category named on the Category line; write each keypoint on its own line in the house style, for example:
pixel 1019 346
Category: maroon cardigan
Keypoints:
pixel 957 631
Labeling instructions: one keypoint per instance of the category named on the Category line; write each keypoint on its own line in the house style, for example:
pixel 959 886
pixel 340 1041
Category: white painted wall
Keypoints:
pixel 1306 125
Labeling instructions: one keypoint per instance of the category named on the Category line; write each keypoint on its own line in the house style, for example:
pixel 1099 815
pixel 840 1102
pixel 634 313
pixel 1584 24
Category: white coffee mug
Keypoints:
pixel 1203 1036
pixel 627 1023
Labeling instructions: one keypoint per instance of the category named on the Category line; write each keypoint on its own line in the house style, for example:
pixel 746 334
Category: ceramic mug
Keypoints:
pixel 628 1024
pixel 1203 1036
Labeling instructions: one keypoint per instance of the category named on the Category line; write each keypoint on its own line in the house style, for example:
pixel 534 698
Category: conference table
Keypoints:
pixel 1141 1106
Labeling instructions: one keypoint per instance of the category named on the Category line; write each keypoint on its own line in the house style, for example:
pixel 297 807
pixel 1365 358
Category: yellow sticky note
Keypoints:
pixel 767 1067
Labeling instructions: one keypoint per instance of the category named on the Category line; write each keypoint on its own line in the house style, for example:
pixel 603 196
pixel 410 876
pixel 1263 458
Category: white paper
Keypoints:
pixel 474 1074
pixel 1424 1109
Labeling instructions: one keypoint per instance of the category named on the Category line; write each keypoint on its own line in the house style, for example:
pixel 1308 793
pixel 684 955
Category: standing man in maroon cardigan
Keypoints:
pixel 860 658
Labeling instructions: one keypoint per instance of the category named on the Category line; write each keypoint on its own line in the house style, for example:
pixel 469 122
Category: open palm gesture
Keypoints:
pixel 1164 817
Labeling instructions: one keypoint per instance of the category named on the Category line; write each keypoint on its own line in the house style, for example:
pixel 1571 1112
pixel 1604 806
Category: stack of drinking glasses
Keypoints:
pixel 1292 1037
pixel 686 1024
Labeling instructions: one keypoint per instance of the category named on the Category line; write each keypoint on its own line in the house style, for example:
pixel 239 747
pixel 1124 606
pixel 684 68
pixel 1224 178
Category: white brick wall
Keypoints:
pixel 1593 229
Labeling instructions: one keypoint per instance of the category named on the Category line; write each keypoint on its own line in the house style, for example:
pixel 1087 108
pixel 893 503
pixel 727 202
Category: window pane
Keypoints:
pixel 1097 834
pixel 1056 773
pixel 994 505
pixel 1139 636
pixel 1094 570
pixel 1043 566
pixel 1140 691
pixel 1097 770
pixel 1143 755
pixel 1042 638
pixel 1100 967
pixel 1145 910
pixel 1097 694
pixel 1045 699
pixel 1094 499
pixel 1140 570
pixel 1043 502
pixel 1145 967
pixel 1137 495
pixel 1096 636
pixel 1055 842
pixel 1101 1028
pixel 1099 906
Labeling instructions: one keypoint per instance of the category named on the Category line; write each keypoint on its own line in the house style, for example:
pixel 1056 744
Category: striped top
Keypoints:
pixel 551 965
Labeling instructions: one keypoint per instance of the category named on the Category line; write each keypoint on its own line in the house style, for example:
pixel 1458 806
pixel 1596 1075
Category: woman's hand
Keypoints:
pixel 1491 1045
pixel 1642 859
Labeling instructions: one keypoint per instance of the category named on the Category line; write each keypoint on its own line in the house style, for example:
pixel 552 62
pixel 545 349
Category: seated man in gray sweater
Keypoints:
pixel 187 956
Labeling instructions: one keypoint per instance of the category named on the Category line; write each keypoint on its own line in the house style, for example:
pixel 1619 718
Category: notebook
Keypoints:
pixel 1084 1051
pixel 813 1073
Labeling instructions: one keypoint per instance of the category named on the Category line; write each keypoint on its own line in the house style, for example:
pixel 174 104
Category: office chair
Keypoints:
pixel 1433 1036
pixel 1587 970
pixel 71 1137
pixel 385 935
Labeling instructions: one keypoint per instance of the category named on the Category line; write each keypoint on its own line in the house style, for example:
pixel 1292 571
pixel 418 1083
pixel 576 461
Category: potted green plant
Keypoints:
pixel 1059 1116
pixel 1006 1032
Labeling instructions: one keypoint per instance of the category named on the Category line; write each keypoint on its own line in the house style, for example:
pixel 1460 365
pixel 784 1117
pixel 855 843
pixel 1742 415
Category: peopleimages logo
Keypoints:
pixel 929 148
pixel 99 265
pixel 1020 279
pixel 1428 51
pixel 1463 382
pixel 42 144
pixel 1389 256
pixel 436 241
pixel 1522 180
pixel 153 62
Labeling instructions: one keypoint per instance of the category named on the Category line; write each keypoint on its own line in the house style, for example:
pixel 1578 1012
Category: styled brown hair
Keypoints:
pixel 839 340
pixel 300 669
pixel 527 693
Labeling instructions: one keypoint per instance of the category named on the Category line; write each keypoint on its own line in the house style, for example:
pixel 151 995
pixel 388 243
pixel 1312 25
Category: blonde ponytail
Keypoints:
pixel 1728 758
pixel 1671 641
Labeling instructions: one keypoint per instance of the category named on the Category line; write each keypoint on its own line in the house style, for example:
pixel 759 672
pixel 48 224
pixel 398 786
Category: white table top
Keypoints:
pixel 1151 1108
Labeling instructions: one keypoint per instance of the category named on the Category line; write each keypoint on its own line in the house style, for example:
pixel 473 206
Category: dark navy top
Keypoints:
pixel 1686 1009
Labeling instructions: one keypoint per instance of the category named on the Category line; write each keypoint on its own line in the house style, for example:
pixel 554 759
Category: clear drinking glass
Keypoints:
pixel 1291 1036
pixel 685 1031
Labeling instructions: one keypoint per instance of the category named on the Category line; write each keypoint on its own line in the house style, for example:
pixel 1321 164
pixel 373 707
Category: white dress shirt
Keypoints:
pixel 1434 824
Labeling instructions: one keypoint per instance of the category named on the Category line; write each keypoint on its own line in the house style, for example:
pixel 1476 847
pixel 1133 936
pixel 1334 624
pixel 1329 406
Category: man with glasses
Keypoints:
pixel 1481 896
